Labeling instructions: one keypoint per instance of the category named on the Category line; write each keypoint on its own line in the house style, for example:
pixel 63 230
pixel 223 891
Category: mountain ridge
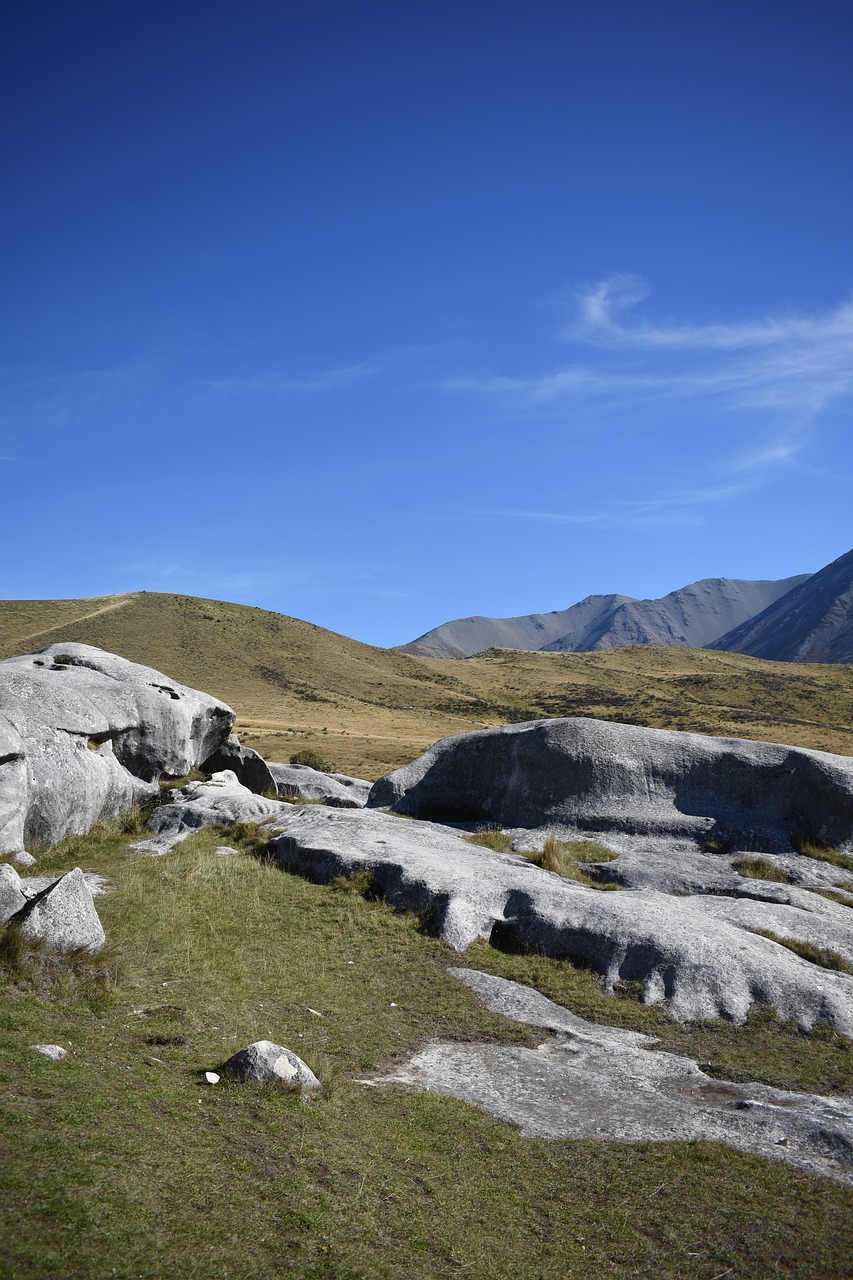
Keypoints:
pixel 691 617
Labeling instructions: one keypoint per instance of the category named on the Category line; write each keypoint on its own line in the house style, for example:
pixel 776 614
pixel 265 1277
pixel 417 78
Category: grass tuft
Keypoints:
pixel 812 848
pixel 760 869
pixel 498 841
pixel 564 856
pixel 822 956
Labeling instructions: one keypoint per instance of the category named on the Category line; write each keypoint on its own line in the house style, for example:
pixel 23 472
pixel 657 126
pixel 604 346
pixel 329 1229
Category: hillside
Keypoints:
pixel 811 623
pixel 692 616
pixel 368 709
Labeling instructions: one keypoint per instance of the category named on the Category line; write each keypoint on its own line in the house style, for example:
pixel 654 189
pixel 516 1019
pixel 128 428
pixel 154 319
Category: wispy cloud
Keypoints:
pixel 277 384
pixel 756 391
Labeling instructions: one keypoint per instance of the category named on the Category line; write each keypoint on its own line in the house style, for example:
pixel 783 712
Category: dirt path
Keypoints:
pixel 83 617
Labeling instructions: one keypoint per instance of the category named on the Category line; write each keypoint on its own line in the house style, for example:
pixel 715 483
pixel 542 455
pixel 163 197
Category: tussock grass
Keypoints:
pixel 812 848
pixel 564 857
pixel 760 869
pixel 120 1146
pixel 499 841
pixel 822 956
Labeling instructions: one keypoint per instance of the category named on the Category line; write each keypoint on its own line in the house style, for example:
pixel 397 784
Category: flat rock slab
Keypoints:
pixel 53 1051
pixel 699 954
pixel 589 1081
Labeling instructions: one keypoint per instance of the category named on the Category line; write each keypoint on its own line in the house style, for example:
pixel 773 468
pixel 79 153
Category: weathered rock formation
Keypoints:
pixel 58 911
pixel 301 782
pixel 222 799
pixel 592 775
pixel 589 1081
pixel 86 735
pixel 699 953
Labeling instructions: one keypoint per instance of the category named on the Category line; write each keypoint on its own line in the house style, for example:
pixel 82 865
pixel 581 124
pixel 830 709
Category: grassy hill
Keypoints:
pixel 367 710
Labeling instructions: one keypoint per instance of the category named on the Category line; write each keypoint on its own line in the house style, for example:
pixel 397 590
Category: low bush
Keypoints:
pixel 312 759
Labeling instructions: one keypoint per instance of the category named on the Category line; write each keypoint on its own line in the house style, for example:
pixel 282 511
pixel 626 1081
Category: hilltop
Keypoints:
pixel 368 710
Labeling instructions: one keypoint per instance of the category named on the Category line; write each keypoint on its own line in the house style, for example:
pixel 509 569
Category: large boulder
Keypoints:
pixel 593 775
pixel 12 896
pixel 301 782
pixel 86 735
pixel 63 916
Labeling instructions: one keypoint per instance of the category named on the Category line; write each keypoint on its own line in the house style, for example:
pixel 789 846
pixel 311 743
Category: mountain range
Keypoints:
pixel 805 618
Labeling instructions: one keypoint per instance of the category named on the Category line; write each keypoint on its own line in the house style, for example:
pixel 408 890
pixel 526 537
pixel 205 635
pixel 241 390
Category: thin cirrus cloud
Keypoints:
pixel 770 380
pixel 794 362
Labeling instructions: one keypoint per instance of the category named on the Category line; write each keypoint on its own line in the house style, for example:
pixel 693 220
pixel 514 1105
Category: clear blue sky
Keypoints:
pixel 379 314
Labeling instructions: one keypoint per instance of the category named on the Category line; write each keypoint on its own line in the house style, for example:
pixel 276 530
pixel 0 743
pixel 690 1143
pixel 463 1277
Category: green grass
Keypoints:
pixel 760 869
pixel 498 841
pixel 124 1164
pixel 822 852
pixel 822 956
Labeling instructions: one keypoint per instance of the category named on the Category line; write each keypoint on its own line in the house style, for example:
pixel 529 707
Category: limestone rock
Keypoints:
pixel 12 896
pixel 592 775
pixel 205 804
pixel 63 916
pixel 250 768
pixel 86 735
pixel 301 782
pixel 699 954
pixel 53 1051
pixel 590 1081
pixel 265 1061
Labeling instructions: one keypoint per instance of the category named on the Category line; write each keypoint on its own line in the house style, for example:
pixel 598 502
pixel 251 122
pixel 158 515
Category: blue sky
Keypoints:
pixel 379 314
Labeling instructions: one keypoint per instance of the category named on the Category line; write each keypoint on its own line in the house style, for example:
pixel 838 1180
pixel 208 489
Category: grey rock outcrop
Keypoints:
pixel 221 799
pixel 589 1081
pixel 250 768
pixel 698 954
pixel 63 916
pixel 12 896
pixel 301 782
pixel 86 735
pixel 266 1061
pixel 593 775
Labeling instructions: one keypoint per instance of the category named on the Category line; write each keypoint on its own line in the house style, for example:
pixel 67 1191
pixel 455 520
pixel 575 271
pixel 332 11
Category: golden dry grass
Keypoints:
pixel 367 710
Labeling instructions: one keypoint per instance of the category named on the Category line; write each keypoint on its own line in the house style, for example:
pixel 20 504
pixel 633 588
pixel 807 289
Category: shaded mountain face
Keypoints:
pixel 813 622
pixel 692 617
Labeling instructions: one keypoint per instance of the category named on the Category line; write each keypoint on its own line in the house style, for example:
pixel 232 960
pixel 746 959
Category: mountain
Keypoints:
pixel 692 617
pixel 813 622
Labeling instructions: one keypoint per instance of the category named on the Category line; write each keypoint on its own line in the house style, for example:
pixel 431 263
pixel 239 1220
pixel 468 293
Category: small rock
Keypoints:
pixel 225 850
pixel 211 1077
pixel 64 915
pixel 53 1051
pixel 23 859
pixel 264 1061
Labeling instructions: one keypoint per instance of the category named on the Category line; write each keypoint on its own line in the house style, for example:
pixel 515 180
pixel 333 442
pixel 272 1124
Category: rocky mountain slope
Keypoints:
pixel 813 622
pixel 691 617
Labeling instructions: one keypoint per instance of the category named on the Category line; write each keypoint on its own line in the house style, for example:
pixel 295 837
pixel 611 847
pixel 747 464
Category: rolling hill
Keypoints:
pixel 367 710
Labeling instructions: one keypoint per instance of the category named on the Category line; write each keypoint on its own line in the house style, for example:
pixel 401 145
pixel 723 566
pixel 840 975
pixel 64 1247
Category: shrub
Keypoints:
pixel 311 758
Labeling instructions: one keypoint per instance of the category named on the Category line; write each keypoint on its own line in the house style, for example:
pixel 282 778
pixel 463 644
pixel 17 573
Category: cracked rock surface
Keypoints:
pixel 589 1081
